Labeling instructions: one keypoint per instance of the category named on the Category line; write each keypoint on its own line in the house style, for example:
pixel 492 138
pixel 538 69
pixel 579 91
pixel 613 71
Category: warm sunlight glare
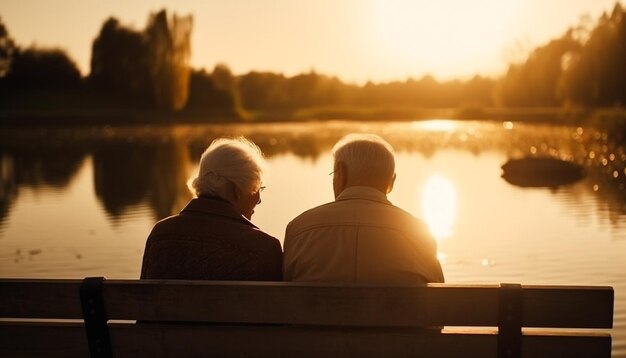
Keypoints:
pixel 439 206
pixel 435 125
pixel 438 35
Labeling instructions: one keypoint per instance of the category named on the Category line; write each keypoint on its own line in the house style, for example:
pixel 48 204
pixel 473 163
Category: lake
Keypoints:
pixel 80 201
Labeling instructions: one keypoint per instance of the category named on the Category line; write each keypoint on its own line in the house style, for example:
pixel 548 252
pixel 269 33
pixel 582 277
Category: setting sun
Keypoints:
pixel 444 35
pixel 356 40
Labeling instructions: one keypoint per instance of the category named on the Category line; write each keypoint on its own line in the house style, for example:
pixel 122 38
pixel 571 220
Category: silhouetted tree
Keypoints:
pixel 597 72
pixel 169 49
pixel 426 92
pixel 263 90
pixel 206 92
pixel 149 67
pixel 535 82
pixel 274 91
pixel 225 81
pixel 331 91
pixel 7 49
pixel 479 91
pixel 303 90
pixel 35 69
pixel 119 63
pixel 579 67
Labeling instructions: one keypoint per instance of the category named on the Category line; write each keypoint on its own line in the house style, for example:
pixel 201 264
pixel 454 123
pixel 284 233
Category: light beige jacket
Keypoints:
pixel 360 237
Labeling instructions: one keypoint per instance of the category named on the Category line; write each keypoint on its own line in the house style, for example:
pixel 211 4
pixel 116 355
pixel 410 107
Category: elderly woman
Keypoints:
pixel 213 238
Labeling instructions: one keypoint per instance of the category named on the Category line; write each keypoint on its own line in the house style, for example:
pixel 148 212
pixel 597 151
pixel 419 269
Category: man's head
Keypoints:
pixel 233 170
pixel 363 160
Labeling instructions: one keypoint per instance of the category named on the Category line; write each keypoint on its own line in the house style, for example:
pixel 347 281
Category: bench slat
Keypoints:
pixel 301 303
pixel 40 298
pixel 572 306
pixel 43 340
pixel 158 340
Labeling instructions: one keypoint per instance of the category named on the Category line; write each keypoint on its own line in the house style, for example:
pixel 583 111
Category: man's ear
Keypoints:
pixel 341 171
pixel 391 183
pixel 340 178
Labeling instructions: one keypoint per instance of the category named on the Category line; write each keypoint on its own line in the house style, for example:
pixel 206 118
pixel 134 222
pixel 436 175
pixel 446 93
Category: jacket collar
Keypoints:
pixel 211 205
pixel 364 193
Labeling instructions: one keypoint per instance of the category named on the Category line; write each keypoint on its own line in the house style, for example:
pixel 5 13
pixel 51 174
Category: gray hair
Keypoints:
pixel 237 160
pixel 365 155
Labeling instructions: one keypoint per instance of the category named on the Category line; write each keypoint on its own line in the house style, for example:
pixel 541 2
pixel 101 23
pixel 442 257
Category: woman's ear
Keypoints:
pixel 236 192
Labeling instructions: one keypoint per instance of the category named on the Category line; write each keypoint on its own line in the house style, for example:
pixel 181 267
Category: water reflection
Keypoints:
pixel 436 125
pixel 121 175
pixel 41 166
pixel 439 206
pixel 36 166
pixel 275 142
pixel 150 165
pixel 127 174
pixel 8 185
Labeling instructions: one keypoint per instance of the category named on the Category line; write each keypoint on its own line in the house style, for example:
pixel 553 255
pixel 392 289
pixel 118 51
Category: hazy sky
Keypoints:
pixel 357 40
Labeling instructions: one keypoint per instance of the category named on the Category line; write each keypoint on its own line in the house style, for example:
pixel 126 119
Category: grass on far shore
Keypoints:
pixel 73 107
pixel 570 115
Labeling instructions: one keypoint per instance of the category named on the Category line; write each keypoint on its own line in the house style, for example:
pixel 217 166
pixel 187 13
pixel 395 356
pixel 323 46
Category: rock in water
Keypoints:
pixel 541 172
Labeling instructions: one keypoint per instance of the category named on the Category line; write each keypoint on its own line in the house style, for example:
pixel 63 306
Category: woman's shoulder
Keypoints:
pixel 265 238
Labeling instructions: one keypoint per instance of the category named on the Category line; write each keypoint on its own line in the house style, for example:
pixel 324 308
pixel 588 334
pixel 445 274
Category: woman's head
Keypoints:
pixel 232 169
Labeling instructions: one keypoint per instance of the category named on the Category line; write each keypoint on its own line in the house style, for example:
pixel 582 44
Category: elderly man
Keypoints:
pixel 360 237
pixel 213 237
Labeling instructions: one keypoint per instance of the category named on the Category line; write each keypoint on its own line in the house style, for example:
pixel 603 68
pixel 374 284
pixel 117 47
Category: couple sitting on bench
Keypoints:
pixel 360 237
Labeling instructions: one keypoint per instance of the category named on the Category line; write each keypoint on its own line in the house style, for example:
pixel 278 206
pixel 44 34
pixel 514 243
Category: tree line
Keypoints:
pixel 585 66
pixel 149 68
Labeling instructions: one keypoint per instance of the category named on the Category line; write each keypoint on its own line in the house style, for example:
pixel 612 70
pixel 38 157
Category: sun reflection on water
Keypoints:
pixel 439 206
pixel 435 125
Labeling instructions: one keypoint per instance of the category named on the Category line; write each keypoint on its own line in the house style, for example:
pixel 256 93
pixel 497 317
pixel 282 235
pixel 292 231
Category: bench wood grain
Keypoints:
pixel 302 319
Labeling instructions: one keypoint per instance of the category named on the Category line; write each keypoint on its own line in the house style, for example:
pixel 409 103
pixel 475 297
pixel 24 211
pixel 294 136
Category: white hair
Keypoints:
pixel 237 160
pixel 365 155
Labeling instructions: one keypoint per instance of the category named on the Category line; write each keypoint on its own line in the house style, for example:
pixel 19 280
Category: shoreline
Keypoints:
pixel 127 116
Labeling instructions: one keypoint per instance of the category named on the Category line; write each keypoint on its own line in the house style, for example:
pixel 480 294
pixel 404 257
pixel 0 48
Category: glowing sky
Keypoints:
pixel 357 40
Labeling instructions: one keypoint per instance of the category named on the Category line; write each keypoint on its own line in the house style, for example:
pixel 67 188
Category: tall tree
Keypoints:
pixel 150 67
pixel 263 90
pixel 535 82
pixel 169 49
pixel 7 49
pixel 597 73
pixel 119 63
pixel 213 91
pixel 35 68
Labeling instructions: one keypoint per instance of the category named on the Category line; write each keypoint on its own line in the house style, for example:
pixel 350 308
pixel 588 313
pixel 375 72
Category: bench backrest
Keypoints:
pixel 299 319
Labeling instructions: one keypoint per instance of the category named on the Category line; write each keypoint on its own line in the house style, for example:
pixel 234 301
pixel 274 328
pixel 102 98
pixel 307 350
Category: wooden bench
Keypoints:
pixel 44 318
